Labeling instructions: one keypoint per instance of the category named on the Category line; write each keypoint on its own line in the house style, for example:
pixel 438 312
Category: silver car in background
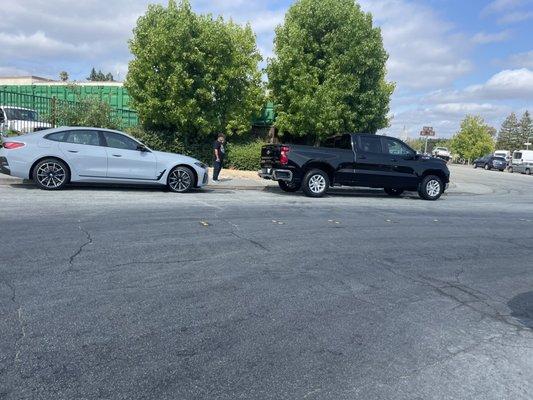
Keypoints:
pixel 55 157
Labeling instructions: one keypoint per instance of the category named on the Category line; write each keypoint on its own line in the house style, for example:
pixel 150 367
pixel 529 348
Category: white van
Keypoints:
pixel 20 120
pixel 522 162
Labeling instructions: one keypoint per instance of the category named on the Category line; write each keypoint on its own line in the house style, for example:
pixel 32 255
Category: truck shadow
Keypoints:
pixel 349 192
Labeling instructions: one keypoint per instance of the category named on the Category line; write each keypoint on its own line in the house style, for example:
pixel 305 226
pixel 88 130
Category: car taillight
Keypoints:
pixel 13 145
pixel 284 157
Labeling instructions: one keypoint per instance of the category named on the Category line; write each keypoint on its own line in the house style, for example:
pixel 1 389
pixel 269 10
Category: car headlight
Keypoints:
pixel 200 164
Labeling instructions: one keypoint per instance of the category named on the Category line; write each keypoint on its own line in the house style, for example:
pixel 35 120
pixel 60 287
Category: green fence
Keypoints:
pixel 47 110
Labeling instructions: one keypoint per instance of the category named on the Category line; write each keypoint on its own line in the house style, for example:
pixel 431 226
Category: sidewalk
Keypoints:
pixel 233 179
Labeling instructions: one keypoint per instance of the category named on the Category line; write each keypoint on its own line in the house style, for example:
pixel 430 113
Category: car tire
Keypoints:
pixel 51 174
pixel 487 167
pixel 394 192
pixel 315 183
pixel 475 166
pixel 289 187
pixel 181 180
pixel 528 171
pixel 431 188
pixel 511 170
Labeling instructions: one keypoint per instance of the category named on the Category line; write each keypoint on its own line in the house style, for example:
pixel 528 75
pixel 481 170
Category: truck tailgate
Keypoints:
pixel 270 154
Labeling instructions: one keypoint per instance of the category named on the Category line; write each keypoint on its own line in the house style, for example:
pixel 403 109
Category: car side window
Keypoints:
pixel 118 141
pixel 57 137
pixel 394 147
pixel 345 142
pixel 2 117
pixel 370 144
pixel 89 138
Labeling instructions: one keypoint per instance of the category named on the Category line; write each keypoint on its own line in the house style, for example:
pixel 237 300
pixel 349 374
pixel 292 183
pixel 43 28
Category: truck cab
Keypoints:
pixel 357 160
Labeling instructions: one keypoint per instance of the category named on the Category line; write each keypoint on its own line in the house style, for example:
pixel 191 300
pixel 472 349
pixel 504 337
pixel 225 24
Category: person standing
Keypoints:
pixel 219 152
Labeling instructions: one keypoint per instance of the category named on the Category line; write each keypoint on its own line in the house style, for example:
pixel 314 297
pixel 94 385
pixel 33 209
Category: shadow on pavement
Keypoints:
pixel 522 308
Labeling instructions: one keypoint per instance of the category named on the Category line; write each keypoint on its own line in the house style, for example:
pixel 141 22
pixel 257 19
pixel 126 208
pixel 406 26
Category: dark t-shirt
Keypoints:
pixel 219 147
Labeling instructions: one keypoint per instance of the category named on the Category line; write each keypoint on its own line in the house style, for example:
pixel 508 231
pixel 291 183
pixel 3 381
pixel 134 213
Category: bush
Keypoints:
pixel 245 157
pixel 89 111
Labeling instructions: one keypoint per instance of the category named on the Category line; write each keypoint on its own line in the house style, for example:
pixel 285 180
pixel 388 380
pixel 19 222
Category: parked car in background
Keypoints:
pixel 20 120
pixel 490 162
pixel 55 157
pixel 522 162
pixel 504 154
pixel 442 153
pixel 354 160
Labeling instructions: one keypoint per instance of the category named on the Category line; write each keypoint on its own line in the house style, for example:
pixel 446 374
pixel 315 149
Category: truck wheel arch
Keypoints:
pixel 322 165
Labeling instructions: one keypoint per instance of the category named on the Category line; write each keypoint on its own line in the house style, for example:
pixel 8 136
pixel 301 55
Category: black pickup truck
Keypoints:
pixel 355 160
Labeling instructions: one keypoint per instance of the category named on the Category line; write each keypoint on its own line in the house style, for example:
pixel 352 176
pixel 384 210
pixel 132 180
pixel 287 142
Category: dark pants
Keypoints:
pixel 217 167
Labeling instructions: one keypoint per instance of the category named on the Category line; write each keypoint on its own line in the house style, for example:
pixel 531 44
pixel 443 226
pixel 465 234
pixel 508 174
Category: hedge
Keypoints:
pixel 245 157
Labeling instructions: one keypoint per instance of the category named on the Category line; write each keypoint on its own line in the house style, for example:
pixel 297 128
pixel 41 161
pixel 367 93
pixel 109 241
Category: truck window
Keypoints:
pixel 370 144
pixel 396 148
pixel 344 142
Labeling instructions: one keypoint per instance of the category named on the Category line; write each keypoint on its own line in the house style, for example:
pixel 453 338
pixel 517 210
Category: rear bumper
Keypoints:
pixel 276 174
pixel 4 166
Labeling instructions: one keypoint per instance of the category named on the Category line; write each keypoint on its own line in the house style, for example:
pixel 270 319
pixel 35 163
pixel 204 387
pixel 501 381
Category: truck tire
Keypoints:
pixel 431 188
pixel 289 187
pixel 315 183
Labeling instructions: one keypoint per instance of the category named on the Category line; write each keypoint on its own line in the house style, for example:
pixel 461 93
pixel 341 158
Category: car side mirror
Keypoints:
pixel 142 148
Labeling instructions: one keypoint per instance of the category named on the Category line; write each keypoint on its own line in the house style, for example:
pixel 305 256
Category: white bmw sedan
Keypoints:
pixel 55 157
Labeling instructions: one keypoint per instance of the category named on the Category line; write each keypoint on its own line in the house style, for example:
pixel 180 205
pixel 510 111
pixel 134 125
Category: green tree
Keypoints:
pixel 88 111
pixel 100 76
pixel 508 135
pixel 328 75
pixel 63 76
pixel 525 130
pixel 193 75
pixel 473 139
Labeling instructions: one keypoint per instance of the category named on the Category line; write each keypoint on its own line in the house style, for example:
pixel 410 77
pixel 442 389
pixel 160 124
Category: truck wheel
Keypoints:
pixel 394 192
pixel 431 188
pixel 528 171
pixel 315 183
pixel 289 187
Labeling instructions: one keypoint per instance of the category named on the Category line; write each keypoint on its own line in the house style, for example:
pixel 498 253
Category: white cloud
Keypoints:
pixel 514 17
pixel 498 6
pixel 508 11
pixel 425 52
pixel 521 60
pixel 486 38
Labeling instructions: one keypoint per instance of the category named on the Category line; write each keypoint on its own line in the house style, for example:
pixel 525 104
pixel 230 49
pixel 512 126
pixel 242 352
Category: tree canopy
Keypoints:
pixel 194 74
pixel 514 133
pixel 473 139
pixel 100 76
pixel 328 74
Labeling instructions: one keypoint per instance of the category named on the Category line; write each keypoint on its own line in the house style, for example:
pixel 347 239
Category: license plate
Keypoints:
pixel 267 171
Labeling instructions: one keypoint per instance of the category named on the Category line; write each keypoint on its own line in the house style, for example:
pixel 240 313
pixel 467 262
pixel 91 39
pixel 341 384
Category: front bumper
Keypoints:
pixel 4 166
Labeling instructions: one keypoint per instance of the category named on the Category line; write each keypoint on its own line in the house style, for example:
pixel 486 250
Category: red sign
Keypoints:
pixel 427 131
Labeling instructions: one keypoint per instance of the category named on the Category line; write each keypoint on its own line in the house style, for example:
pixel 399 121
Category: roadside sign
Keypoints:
pixel 427 131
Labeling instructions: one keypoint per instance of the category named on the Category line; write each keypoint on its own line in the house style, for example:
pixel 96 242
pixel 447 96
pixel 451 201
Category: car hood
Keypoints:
pixel 172 157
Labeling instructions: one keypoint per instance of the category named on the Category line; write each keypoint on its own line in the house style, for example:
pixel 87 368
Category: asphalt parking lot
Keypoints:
pixel 121 293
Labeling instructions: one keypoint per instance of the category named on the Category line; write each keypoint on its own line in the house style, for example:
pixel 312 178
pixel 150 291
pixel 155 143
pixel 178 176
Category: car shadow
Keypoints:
pixel 522 309
pixel 110 187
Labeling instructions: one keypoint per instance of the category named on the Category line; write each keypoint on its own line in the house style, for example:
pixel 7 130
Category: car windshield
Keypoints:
pixel 20 114
pixel 499 158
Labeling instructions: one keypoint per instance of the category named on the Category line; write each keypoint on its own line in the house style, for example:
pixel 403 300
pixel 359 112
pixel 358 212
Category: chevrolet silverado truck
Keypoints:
pixel 359 160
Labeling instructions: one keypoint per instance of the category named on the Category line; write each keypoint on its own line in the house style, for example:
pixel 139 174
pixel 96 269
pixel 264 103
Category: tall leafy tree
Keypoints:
pixel 194 74
pixel 473 139
pixel 63 76
pixel 328 75
pixel 508 136
pixel 525 129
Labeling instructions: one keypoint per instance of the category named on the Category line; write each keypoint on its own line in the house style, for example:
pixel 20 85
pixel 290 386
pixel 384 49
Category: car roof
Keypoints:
pixel 85 128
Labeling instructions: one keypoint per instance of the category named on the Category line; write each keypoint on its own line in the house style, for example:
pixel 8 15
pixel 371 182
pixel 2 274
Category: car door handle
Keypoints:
pixel 73 151
pixel 117 155
pixel 362 157
pixel 394 159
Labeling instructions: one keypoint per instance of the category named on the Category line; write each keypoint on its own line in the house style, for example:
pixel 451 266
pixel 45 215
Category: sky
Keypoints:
pixel 448 58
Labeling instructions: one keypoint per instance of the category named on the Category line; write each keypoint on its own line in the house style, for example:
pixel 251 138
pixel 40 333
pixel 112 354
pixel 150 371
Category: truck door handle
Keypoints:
pixel 362 157
pixel 117 155
pixel 394 159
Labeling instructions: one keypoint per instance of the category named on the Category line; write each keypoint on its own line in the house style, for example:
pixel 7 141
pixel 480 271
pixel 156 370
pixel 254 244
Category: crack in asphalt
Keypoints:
pixel 255 243
pixel 72 258
pixel 154 263
pixel 20 322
